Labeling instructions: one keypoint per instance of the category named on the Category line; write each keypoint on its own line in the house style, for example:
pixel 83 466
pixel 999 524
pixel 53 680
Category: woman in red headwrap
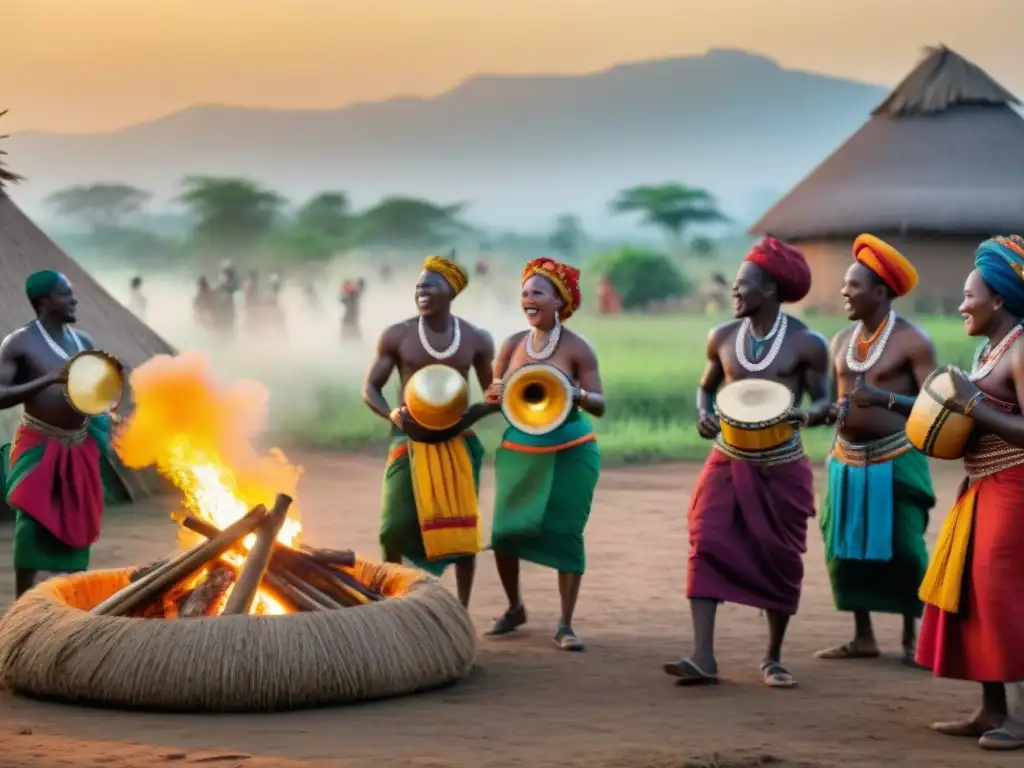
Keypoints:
pixel 748 513
pixel 545 483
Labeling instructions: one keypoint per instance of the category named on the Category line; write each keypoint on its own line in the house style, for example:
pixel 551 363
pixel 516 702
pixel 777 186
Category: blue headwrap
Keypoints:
pixel 40 284
pixel 1000 262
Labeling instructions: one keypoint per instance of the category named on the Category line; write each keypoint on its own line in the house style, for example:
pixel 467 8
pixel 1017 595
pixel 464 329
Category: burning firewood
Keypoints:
pixel 258 559
pixel 205 599
pixel 181 567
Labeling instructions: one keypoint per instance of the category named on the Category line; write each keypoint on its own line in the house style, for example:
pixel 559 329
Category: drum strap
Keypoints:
pixel 783 454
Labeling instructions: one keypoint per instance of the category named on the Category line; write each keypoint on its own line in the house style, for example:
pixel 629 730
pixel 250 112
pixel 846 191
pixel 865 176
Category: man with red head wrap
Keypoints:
pixel 749 510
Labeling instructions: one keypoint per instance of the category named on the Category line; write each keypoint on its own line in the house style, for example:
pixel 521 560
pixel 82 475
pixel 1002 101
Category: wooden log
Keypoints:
pixel 284 591
pixel 181 567
pixel 258 559
pixel 330 557
pixel 203 600
pixel 143 570
pixel 338 584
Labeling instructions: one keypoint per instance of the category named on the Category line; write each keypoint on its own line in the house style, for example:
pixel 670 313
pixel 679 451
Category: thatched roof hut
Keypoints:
pixel 937 168
pixel 24 249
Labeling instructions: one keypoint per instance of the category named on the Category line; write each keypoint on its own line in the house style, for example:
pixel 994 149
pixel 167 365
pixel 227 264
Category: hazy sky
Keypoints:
pixel 85 65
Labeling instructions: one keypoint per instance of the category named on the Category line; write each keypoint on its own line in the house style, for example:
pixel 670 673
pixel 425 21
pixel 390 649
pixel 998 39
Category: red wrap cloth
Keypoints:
pixel 786 265
pixel 984 640
pixel 57 484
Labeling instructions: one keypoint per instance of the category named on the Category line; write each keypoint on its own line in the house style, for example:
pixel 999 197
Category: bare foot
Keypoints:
pixel 973 727
pixel 858 648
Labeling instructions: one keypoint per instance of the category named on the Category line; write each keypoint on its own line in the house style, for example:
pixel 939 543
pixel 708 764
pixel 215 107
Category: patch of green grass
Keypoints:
pixel 650 367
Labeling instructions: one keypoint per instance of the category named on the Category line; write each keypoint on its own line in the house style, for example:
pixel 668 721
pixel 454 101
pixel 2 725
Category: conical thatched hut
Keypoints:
pixel 938 168
pixel 24 249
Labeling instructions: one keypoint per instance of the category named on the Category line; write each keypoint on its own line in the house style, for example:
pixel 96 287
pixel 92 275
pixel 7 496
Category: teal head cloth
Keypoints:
pixel 1000 262
pixel 40 284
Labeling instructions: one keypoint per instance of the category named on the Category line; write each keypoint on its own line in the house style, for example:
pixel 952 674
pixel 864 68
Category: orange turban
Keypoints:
pixel 886 262
pixel 566 280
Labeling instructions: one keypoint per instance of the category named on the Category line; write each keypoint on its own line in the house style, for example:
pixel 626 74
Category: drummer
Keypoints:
pixel 436 336
pixel 879 494
pixel 748 512
pixel 51 468
pixel 973 628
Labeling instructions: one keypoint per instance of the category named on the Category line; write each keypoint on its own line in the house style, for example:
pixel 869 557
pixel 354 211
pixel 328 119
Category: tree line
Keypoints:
pixel 241 219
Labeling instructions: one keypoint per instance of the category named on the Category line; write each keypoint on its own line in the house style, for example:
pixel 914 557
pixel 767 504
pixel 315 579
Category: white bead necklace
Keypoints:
pixel 861 366
pixel 778 331
pixel 452 348
pixel 980 370
pixel 549 349
pixel 57 348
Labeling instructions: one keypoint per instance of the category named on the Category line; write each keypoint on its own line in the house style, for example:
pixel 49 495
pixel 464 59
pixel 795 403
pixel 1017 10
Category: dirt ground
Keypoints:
pixel 528 704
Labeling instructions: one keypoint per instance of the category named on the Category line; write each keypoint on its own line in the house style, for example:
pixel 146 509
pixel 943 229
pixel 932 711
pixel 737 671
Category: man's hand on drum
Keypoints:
pixel 707 425
pixel 864 395
pixel 493 394
pixel 965 392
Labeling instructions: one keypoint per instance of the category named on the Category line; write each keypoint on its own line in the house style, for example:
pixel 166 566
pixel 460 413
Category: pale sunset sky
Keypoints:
pixel 93 65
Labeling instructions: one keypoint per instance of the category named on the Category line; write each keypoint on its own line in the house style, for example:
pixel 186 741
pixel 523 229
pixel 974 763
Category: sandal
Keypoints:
pixel 1001 739
pixel 566 639
pixel 775 675
pixel 688 673
pixel 509 621
pixel 848 650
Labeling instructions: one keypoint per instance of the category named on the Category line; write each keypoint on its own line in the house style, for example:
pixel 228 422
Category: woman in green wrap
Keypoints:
pixel 545 483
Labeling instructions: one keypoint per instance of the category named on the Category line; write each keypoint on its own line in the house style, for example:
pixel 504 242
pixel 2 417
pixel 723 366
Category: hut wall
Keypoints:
pixel 943 264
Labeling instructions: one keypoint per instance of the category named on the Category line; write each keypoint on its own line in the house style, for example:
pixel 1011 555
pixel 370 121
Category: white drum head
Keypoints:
pixel 95 383
pixel 754 401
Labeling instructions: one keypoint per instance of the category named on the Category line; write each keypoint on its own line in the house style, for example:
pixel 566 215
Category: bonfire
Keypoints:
pixel 240 530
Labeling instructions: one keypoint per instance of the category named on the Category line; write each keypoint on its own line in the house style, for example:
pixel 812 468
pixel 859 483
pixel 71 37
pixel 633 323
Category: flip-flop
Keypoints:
pixel 566 639
pixel 846 651
pixel 509 621
pixel 688 673
pixel 971 729
pixel 775 675
pixel 1001 739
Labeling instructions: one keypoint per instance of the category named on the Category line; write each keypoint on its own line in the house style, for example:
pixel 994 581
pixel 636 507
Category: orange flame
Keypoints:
pixel 198 432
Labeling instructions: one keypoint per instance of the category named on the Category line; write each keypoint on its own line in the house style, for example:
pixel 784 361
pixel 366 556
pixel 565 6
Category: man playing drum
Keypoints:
pixel 879 494
pixel 748 513
pixel 545 483
pixel 973 627
pixel 436 336
pixel 52 476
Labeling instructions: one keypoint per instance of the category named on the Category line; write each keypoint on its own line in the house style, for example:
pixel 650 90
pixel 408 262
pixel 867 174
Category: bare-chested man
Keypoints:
pixel 436 336
pixel 879 492
pixel 748 512
pixel 52 467
pixel 545 483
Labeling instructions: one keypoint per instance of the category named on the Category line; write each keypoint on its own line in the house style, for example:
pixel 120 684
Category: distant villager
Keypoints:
pixel 351 294
pixel 385 273
pixel 718 294
pixel 482 267
pixel 608 300
pixel 136 301
pixel 204 305
pixel 272 309
pixel 224 312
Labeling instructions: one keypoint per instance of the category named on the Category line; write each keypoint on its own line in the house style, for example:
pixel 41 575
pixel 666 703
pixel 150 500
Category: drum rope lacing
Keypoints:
pixel 778 330
pixel 57 348
pixel 862 366
pixel 549 349
pixel 984 362
pixel 452 348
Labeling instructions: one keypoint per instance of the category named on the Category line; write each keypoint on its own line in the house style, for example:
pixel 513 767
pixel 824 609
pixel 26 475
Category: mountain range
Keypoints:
pixel 520 149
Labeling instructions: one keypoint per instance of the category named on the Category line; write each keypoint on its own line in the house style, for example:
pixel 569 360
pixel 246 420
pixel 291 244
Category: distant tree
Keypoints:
pixel 102 207
pixel 230 214
pixel 408 221
pixel 673 208
pixel 703 247
pixel 567 236
pixel 7 176
pixel 643 276
pixel 328 213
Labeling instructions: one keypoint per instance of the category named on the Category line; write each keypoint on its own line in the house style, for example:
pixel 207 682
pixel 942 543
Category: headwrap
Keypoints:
pixel 40 284
pixel 453 274
pixel 566 280
pixel 885 261
pixel 1000 262
pixel 786 265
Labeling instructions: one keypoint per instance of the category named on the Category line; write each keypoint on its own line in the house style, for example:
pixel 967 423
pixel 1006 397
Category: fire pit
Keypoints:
pixel 244 618
pixel 198 633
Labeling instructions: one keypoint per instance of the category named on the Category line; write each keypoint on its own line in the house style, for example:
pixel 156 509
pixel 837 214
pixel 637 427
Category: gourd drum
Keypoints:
pixel 95 383
pixel 436 397
pixel 752 414
pixel 933 428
